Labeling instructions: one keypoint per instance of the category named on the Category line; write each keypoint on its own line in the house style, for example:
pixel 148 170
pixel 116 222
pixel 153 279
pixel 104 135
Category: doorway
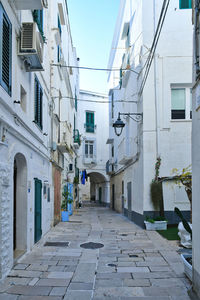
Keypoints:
pixel 129 199
pixel 19 205
pixel 38 209
pixel 100 194
pixel 113 197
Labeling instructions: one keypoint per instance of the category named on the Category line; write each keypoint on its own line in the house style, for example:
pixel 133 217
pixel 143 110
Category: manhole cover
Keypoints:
pixel 78 222
pixel 91 245
pixel 57 244
pixel 133 255
pixel 111 265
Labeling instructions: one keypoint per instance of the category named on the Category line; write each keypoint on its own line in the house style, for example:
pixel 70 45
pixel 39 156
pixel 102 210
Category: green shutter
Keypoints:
pixel 5 51
pixel 184 4
pixel 38 103
pixel 38 18
pixel 89 122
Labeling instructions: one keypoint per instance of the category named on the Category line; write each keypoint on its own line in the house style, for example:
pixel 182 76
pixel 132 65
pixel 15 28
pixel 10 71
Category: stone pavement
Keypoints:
pixel 133 264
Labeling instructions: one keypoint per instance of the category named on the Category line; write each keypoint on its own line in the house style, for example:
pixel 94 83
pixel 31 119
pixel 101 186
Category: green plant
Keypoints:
pixel 65 195
pixel 152 220
pixel 76 180
pixel 185 223
pixel 156 190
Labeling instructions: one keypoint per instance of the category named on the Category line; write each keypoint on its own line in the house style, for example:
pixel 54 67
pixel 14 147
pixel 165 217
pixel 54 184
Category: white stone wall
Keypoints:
pixel 99 137
pixel 173 69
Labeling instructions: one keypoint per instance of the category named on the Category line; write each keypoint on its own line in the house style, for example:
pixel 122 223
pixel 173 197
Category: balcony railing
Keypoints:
pixel 89 127
pixel 77 137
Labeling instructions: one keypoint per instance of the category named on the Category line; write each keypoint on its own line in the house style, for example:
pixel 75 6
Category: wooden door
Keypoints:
pixel 38 209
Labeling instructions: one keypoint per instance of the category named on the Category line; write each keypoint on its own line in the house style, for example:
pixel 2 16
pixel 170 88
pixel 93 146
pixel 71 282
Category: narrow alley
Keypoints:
pixel 131 264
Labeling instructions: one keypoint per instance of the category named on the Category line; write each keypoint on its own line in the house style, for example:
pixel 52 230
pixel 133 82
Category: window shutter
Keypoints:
pixel 185 4
pixel 40 108
pixel 5 51
pixel 38 103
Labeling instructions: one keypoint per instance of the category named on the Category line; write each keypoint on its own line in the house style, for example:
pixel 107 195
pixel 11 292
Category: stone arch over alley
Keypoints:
pixel 19 205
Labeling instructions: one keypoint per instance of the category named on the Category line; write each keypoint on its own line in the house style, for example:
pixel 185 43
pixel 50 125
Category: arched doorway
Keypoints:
pixel 19 205
pixel 99 188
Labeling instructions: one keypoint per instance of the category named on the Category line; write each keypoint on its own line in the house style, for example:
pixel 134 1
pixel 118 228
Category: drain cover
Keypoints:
pixel 111 265
pixel 91 245
pixel 57 244
pixel 123 234
pixel 133 255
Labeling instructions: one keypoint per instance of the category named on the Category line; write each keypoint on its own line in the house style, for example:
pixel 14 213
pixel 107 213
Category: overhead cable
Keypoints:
pixel 94 69
pixel 154 44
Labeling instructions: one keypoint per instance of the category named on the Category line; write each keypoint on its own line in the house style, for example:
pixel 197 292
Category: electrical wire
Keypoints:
pixel 93 69
pixel 154 44
pixel 95 101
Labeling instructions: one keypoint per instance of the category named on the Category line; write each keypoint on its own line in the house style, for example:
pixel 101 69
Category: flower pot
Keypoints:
pixel 64 216
pixel 70 209
pixel 187 265
pixel 157 225
pixel 184 236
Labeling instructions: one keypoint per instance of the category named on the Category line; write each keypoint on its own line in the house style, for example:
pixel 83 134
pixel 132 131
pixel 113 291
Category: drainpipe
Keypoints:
pixel 157 119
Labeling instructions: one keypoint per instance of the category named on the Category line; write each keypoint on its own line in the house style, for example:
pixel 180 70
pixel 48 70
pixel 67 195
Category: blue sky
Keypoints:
pixel 92 24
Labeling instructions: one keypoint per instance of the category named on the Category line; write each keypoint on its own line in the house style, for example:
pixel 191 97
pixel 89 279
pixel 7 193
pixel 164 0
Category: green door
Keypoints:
pixel 100 194
pixel 38 209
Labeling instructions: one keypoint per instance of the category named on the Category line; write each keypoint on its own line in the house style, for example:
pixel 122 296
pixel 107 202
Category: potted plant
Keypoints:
pixel 69 204
pixel 185 233
pixel 157 221
pixel 64 207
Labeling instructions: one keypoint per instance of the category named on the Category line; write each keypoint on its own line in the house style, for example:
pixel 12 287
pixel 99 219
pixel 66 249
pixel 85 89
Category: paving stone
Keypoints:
pixel 10 281
pixel 8 297
pixel 69 268
pixel 164 291
pixel 126 264
pixel 160 269
pixel 136 282
pixel 118 292
pixel 108 283
pixel 58 291
pixel 33 281
pixel 53 282
pixel 154 275
pixel 60 275
pixel 37 267
pixel 20 266
pixel 24 273
pixel 170 282
pixel 29 290
pixel 147 298
pixel 80 286
pixel 113 275
pixel 75 295
pixel 39 298
pixel 56 268
pixel 150 263
pixel 84 273
pixel 132 269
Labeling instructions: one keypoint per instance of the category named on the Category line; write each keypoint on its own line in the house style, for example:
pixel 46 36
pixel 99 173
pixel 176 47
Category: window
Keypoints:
pixel 89 149
pixel 178 103
pixel 112 105
pixel 89 121
pixel 76 102
pixel 112 151
pixel 38 18
pixel 5 51
pixel 181 103
pixel 183 4
pixel 58 47
pixel 38 103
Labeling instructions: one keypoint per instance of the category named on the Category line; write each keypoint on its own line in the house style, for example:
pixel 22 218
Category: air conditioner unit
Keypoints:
pixel 31 47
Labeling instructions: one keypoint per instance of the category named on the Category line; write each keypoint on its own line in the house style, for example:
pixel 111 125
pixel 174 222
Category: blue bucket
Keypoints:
pixel 64 216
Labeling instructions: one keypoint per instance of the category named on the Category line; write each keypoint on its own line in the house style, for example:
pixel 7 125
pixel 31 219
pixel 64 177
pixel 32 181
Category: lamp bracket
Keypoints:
pixel 137 117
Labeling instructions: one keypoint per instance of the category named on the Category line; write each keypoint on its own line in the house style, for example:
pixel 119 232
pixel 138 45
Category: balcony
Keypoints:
pixel 77 141
pixel 89 160
pixel 125 151
pixel 30 4
pixel 64 138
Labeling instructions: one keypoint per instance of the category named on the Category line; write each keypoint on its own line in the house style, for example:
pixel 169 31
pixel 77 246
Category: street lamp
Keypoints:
pixel 119 124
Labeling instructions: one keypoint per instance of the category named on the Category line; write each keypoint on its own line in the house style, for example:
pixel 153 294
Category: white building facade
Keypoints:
pixel 28 109
pixel 92 116
pixel 195 292
pixel 162 107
